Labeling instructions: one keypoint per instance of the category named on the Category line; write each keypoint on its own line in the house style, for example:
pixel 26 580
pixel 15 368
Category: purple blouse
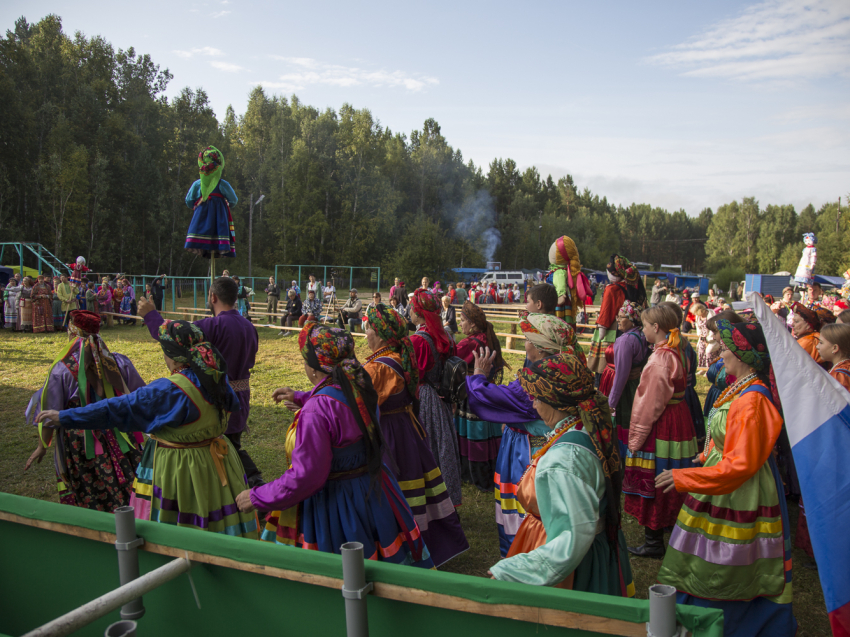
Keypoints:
pixel 629 350
pixel 323 423
pixel 507 404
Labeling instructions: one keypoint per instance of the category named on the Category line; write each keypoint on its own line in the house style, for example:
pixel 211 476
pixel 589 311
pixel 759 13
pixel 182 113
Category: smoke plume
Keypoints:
pixel 477 223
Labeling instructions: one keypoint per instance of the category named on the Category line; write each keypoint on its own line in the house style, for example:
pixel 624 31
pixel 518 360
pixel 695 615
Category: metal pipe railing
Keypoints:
pixel 127 545
pixel 124 628
pixel 355 589
pixel 105 604
pixel 662 612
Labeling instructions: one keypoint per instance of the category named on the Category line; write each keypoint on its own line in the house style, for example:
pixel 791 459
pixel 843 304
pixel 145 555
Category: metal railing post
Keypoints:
pixel 173 295
pixel 355 589
pixel 662 611
pixel 350 278
pixel 124 628
pixel 127 545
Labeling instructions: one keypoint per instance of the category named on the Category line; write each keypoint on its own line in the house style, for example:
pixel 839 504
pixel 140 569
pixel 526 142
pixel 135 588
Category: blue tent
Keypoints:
pixel 835 281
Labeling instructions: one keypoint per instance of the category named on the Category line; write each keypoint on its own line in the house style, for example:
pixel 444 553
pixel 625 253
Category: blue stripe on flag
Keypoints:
pixel 821 460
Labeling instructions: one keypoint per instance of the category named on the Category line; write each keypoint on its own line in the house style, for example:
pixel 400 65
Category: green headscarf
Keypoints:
pixel 210 163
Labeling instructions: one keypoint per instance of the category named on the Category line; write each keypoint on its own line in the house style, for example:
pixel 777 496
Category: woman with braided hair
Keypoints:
pixel 572 537
pixel 523 435
pixel 94 468
pixel 336 488
pixel 731 546
pixel 432 347
pixel 189 474
pixel 625 285
pixel 479 439
pixel 211 232
pixel 661 431
pixel 392 367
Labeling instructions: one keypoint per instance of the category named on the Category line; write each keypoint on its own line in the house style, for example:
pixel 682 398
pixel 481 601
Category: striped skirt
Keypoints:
pixel 479 442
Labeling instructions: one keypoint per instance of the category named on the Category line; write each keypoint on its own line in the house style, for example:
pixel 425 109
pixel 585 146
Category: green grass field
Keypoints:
pixel 25 358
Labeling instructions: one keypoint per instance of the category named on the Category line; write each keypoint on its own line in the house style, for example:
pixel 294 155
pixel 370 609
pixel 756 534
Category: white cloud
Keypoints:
pixel 207 51
pixel 226 66
pixel 304 72
pixel 777 40
pixel 220 14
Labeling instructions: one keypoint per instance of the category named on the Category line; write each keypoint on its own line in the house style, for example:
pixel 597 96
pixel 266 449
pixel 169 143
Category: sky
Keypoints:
pixel 675 104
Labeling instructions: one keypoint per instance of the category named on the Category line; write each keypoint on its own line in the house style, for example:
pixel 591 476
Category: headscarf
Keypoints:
pixel 564 383
pixel 184 342
pixel 624 269
pixel 211 164
pixel 632 311
pixel 427 306
pixel 391 327
pixel 746 341
pixel 563 254
pixel 547 333
pixel 331 350
pixel 809 316
pixel 825 315
pixel 476 315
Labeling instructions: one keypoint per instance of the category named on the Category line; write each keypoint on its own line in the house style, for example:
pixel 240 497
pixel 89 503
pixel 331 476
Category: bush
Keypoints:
pixel 726 275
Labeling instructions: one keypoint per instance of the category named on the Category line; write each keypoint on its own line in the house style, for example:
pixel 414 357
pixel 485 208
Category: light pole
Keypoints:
pixel 251 205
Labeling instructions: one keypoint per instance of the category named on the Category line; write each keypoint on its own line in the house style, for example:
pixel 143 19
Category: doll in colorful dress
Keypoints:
pixel 211 233
pixel 570 283
pixel 805 274
pixel 77 268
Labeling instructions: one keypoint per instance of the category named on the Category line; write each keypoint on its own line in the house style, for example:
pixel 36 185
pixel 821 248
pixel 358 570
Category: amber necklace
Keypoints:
pixel 386 349
pixel 729 394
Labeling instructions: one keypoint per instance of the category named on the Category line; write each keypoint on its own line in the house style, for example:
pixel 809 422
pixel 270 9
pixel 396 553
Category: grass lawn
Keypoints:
pixel 24 360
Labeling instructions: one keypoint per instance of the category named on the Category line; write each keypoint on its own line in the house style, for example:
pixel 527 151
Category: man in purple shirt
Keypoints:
pixel 237 340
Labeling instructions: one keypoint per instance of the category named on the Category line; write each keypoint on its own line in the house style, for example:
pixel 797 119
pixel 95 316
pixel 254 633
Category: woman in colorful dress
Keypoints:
pixel 716 373
pixel 56 306
pixel 731 547
pixel 104 301
pixel 392 368
pixel 630 353
pixel 95 468
pixel 479 439
pixel 336 489
pixel 834 348
pixel 661 431
pixel 691 398
pixel 211 231
pixel 126 306
pixel 571 537
pixel 523 435
pixel 11 309
pixel 117 298
pixel 625 285
pixel 189 474
pixel 700 312
pixel 42 307
pixel 433 346
pixel 25 306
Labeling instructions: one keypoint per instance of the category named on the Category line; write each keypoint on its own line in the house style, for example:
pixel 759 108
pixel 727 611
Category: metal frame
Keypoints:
pixel 40 253
pixel 350 269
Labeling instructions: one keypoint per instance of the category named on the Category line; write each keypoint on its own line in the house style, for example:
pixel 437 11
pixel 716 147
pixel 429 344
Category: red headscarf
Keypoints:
pixel 427 306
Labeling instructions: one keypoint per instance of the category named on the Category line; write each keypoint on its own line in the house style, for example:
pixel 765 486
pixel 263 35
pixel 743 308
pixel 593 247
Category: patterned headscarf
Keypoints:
pixel 746 341
pixel 547 333
pixel 184 342
pixel 825 315
pixel 809 316
pixel 624 269
pixel 211 164
pixel 476 315
pixel 331 350
pixel 391 327
pixel 426 305
pixel 564 383
pixel 632 311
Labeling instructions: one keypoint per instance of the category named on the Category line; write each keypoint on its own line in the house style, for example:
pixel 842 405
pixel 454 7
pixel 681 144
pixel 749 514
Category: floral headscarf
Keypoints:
pixel 632 312
pixel 426 305
pixel 625 270
pixel 746 341
pixel 184 342
pixel 547 333
pixel 391 327
pixel 210 164
pixel 331 350
pixel 564 383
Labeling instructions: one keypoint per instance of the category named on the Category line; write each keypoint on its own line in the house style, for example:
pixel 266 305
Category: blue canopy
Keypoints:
pixel 836 281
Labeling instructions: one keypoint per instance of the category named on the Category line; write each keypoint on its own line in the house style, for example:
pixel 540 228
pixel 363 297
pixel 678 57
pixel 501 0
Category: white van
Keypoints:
pixel 508 277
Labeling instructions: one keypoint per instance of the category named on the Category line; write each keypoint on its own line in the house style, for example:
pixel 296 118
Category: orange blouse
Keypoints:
pixel 809 342
pixel 752 429
pixel 842 377
pixel 612 301
pixel 385 380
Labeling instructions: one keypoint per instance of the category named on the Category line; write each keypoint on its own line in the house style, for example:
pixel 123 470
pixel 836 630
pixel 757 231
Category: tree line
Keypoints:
pixel 97 162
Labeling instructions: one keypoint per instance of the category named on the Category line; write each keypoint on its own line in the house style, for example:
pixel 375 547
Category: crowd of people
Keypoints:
pixel 378 450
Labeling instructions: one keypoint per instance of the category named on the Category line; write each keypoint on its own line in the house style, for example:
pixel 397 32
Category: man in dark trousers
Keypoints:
pixel 237 340
pixel 156 291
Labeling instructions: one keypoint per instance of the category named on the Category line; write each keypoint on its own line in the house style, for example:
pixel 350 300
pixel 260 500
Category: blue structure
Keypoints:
pixel 766 284
pixel 834 281
pixel 469 274
pixel 692 282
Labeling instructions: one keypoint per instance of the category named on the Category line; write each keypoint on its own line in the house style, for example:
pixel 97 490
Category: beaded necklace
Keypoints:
pixel 729 394
pixel 383 350
pixel 552 437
